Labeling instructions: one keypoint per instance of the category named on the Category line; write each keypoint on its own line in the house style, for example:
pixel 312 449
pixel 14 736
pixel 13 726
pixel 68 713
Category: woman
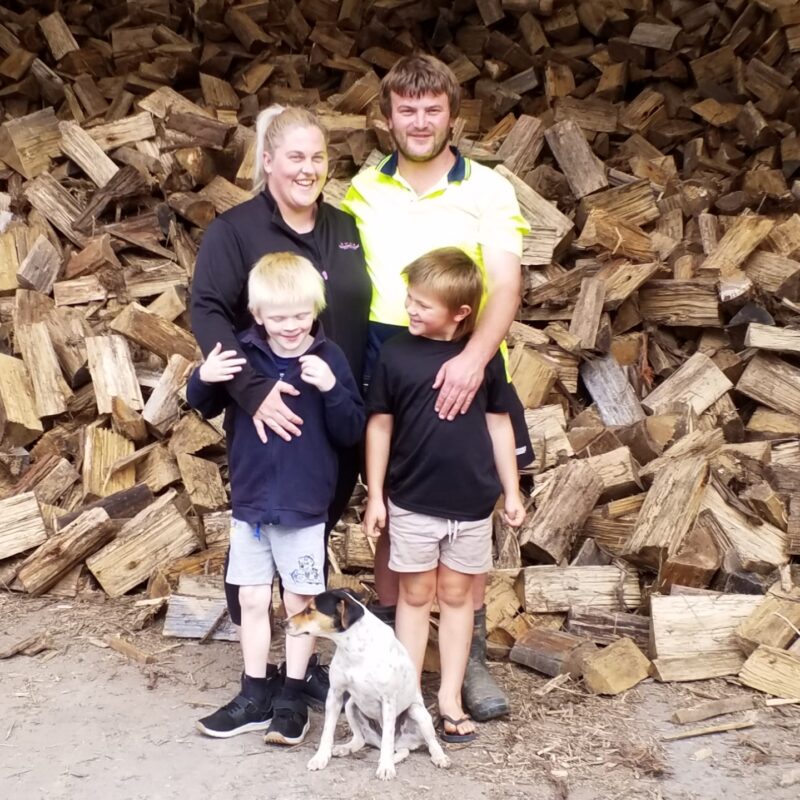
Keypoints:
pixel 286 214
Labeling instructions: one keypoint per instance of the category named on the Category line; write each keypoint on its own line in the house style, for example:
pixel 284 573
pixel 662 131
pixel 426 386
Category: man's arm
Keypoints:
pixel 461 377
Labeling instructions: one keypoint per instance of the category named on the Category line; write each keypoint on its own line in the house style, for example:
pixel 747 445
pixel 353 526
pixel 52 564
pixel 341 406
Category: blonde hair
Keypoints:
pixel 271 126
pixel 453 278
pixel 285 279
pixel 418 75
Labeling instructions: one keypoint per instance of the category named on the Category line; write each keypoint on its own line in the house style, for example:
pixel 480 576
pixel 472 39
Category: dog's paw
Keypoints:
pixel 319 761
pixel 386 772
pixel 440 760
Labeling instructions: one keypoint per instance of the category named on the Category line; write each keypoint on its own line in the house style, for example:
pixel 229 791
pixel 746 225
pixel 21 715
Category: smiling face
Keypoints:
pixel 297 168
pixel 428 316
pixel 287 326
pixel 420 125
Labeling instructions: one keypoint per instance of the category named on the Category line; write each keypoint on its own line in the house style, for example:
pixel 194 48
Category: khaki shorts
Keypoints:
pixel 420 542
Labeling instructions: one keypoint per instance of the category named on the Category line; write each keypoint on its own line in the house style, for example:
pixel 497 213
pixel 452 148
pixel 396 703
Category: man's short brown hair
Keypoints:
pixel 451 276
pixel 418 75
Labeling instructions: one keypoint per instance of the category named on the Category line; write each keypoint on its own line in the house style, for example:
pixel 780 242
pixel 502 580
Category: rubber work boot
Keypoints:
pixel 482 697
pixel 384 613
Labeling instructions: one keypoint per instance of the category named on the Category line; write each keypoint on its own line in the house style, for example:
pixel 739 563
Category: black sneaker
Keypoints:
pixel 239 716
pixel 289 721
pixel 316 682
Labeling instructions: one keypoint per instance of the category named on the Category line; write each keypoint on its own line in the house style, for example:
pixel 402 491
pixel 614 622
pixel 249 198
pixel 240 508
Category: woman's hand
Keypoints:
pixel 375 517
pixel 221 365
pixel 274 414
pixel 316 372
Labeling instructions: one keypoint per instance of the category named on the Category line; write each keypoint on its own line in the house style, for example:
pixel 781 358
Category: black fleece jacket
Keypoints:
pixel 286 483
pixel 232 245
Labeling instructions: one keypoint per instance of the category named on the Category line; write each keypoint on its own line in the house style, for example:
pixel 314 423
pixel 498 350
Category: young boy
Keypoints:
pixel 280 491
pixel 444 477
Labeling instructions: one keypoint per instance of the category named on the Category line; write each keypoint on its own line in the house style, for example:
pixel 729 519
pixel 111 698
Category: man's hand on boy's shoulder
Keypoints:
pixel 221 365
pixel 315 371
pixel 458 380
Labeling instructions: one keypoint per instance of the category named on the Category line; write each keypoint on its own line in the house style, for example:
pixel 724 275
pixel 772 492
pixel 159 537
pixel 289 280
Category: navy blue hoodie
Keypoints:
pixel 286 483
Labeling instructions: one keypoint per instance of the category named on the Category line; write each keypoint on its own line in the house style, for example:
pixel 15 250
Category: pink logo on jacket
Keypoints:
pixel 349 245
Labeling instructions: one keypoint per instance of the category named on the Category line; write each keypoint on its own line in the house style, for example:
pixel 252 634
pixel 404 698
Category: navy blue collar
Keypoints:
pixel 256 335
pixel 457 172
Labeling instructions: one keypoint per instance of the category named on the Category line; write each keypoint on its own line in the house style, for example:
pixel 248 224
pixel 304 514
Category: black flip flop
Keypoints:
pixel 455 738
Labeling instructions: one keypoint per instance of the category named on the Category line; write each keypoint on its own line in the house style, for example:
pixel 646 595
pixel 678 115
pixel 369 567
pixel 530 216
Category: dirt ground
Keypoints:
pixel 82 720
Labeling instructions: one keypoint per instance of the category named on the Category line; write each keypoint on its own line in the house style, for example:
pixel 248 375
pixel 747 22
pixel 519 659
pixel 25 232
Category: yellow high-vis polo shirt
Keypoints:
pixel 470 207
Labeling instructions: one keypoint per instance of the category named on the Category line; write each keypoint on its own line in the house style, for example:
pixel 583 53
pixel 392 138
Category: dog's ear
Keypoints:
pixel 349 610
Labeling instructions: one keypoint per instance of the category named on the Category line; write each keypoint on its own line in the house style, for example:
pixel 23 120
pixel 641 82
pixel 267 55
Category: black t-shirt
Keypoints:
pixel 437 467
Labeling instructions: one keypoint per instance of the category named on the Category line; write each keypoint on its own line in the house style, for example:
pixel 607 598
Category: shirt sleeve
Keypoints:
pixel 499 398
pixel 379 399
pixel 501 223
pixel 219 280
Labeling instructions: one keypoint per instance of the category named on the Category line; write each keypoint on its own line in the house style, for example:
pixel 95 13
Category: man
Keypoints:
pixel 424 196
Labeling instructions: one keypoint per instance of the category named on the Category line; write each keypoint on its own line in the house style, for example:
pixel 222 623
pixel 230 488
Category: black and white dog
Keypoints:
pixel 385 708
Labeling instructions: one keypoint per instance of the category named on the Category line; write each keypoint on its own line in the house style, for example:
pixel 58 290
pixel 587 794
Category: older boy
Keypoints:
pixel 280 491
pixel 424 196
pixel 444 477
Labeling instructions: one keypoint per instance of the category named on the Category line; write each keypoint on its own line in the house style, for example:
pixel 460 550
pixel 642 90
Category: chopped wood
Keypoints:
pixel 552 652
pixel 774 623
pixel 113 374
pixel 155 535
pixel 773 382
pixel 40 267
pixel 59 554
pixel 18 422
pixel 699 383
pixel 772 671
pixel 203 483
pixel 606 627
pixel 162 409
pixel 546 589
pixel 715 708
pixel 130 650
pixel 583 170
pixel 768 337
pixel 154 333
pixel 21 524
pixel 103 448
pixel 608 385
pixel 571 494
pixel 694 628
pixel 615 668
pixel 588 310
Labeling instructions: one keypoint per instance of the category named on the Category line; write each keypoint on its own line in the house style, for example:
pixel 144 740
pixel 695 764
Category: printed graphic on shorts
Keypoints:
pixel 306 571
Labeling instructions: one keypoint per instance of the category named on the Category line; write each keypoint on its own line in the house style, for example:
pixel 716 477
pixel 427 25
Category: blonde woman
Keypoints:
pixel 286 214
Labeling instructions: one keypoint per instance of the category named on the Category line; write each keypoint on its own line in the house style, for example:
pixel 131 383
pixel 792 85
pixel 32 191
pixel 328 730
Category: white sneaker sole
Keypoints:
pixel 250 726
pixel 275 737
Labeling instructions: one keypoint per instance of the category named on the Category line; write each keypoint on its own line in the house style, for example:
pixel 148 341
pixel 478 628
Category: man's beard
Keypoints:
pixel 438 146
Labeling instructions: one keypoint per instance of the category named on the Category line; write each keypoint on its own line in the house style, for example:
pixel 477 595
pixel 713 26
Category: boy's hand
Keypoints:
pixel 513 510
pixel 221 366
pixel 316 372
pixel 375 517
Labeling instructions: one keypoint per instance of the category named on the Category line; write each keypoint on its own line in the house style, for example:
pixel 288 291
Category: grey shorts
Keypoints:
pixel 296 554
pixel 419 542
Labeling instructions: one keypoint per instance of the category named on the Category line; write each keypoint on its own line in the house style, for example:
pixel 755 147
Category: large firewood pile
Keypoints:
pixel 653 148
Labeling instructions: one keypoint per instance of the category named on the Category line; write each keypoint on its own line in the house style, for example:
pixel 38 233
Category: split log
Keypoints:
pixel 552 652
pixel 120 505
pixel 59 554
pixel 163 406
pixel 18 422
pixel 772 382
pixel 768 337
pixel 606 627
pixel 693 636
pixel 616 668
pixel 547 589
pixel 618 471
pixel 154 333
pixel 772 671
pixel 611 391
pixel 39 269
pixel 50 390
pixel 699 382
pixel 570 496
pixel 584 171
pixel 774 622
pixel 532 375
pixel 588 310
pixel 102 449
pixel 668 512
pixel 203 483
pixel 21 525
pixel 155 535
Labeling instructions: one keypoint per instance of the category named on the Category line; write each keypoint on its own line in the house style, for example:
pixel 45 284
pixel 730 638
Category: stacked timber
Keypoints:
pixel 654 150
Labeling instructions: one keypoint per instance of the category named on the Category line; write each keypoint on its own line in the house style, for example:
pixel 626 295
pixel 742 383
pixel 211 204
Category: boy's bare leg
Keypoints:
pixel 454 595
pixel 255 631
pixel 298 648
pixel 417 590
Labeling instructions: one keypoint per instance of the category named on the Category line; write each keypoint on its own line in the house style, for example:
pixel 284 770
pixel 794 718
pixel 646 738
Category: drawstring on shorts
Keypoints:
pixel 452 530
